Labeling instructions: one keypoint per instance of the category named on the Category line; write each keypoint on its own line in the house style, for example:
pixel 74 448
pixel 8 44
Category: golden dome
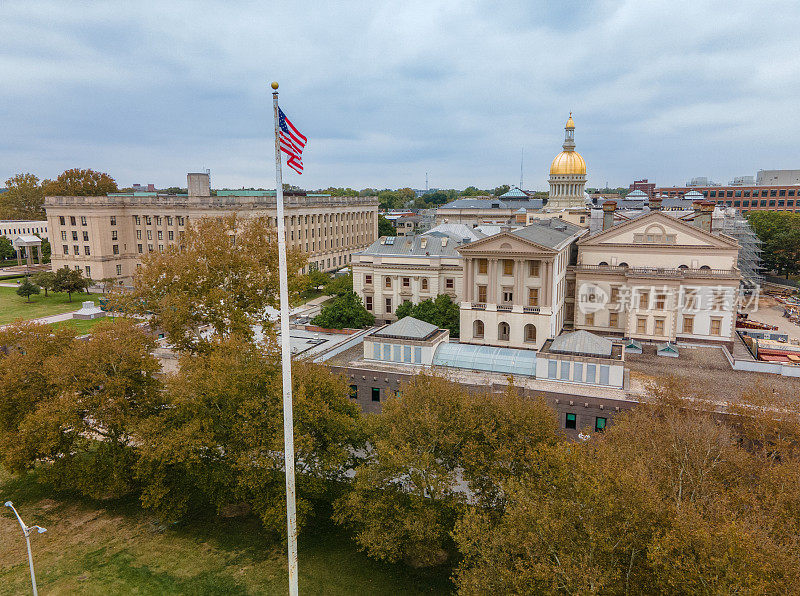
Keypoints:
pixel 570 122
pixel 568 163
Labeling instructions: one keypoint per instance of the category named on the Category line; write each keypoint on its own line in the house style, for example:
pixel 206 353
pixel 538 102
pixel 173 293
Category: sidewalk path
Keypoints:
pixel 64 316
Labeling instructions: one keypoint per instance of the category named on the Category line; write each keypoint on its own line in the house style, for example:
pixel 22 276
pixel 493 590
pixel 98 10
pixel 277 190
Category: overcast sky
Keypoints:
pixel 148 91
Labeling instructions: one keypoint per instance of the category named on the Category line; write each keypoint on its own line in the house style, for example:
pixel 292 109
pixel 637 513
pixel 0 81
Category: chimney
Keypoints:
pixel 706 212
pixel 199 184
pixel 608 214
pixel 655 203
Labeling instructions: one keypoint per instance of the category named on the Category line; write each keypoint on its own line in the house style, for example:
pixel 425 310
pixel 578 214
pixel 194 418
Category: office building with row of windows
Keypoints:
pixel 106 236
pixel 745 198
pixel 12 228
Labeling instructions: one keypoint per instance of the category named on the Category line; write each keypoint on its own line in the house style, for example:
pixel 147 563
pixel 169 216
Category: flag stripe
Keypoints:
pixel 292 142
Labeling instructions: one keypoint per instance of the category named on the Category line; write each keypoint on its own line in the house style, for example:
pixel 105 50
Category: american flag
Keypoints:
pixel 292 142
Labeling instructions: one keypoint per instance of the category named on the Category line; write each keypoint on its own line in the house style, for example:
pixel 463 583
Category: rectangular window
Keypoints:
pixel 376 351
pixel 76 250
pixel 85 236
pixel 160 235
pixel 376 394
pixel 74 236
pixel 169 220
pixel 119 269
pixel 591 373
pixel 658 328
pixel 83 220
pixel 137 220
pixel 449 283
pixel 407 354
pixel 424 283
pixel 641 325
pixel 368 302
pixel 180 220
pixel 149 234
pixel 716 326
pixel 88 271
pixel 613 319
pixel 604 370
pixel 61 220
pixel 160 248
pixel 171 235
pixel 417 355
pixel 138 234
pixel 65 249
pixel 149 248
pixel 661 301
pixel 552 369
pixel 577 373
pixel 533 296
pixel 406 282
pixel 571 421
pixel 388 305
pixel 368 280
pixel 139 247
pixel 508 267
pixel 688 324
pixel 387 352
pixel 353 391
pixel 565 370
pixel 158 220
pixel 387 281
pixel 113 220
pixel 86 251
pixel 614 298
pixel 148 220
pixel 115 249
pixel 481 293
pixel 396 353
pixel 72 220
pixel 63 235
pixel 589 319
pixel 508 296
pixel 533 268
pixel 483 265
pixel 113 234
pixel 644 300
pixel 599 424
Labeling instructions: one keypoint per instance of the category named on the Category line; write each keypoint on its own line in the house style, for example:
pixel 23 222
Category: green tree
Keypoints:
pixel 27 289
pixel 339 284
pixel 219 282
pixel 385 227
pixel 77 183
pixel 779 232
pixel 429 441
pixel 70 281
pixel 45 250
pixel 501 190
pixel 442 312
pixel 315 279
pixel 220 438
pixel 472 191
pixel 24 198
pixel 6 248
pixel 45 280
pixel 404 310
pixel 73 406
pixel 345 312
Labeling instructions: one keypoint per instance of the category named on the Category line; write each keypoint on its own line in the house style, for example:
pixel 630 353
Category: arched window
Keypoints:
pixel 477 329
pixel 503 331
pixel 603 264
pixel 622 264
pixel 683 266
pixel 706 267
pixel 530 333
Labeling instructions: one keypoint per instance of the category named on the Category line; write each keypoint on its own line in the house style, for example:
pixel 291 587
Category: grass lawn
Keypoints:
pixel 80 326
pixel 92 548
pixel 14 308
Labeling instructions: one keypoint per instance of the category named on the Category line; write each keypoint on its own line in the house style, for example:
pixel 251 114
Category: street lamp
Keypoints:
pixel 27 531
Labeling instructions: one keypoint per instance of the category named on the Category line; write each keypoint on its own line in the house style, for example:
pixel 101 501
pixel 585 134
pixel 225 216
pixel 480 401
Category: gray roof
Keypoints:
pixel 636 195
pixel 408 328
pixel 412 246
pixel 550 232
pixel 456 231
pixel 582 342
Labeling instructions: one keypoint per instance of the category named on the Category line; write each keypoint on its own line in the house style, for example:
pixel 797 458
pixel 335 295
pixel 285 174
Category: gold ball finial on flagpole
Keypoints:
pixel 274 85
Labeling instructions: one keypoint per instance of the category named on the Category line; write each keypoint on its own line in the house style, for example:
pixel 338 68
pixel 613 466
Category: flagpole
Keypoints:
pixel 286 361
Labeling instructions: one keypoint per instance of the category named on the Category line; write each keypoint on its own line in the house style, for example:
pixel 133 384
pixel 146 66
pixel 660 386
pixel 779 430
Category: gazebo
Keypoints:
pixel 27 244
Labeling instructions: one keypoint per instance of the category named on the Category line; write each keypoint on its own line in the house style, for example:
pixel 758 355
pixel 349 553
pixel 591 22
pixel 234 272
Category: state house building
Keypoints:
pixel 105 236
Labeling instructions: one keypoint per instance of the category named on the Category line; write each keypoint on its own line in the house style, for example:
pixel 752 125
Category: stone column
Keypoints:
pixel 519 278
pixel 468 264
pixel 491 291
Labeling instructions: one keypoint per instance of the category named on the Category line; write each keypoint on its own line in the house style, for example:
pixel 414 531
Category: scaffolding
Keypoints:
pixel 736 226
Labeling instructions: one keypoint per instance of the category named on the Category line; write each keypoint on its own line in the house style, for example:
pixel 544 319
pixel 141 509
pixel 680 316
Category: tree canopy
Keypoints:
pixel 385 227
pixel 779 232
pixel 78 182
pixel 441 311
pixel 24 198
pixel 218 281
pixel 70 281
pixel 346 311
pixel 27 289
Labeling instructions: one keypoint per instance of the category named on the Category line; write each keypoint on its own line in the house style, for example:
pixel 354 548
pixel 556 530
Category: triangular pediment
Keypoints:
pixel 504 243
pixel 685 233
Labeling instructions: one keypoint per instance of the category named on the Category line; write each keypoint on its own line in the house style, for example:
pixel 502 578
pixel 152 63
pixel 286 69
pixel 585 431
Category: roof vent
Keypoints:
pixel 423 243
pixel 444 242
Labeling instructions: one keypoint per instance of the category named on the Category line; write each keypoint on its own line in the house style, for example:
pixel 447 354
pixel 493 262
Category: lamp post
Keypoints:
pixel 26 530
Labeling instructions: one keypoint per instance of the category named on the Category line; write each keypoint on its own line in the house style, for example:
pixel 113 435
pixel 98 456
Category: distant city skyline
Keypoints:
pixel 149 91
